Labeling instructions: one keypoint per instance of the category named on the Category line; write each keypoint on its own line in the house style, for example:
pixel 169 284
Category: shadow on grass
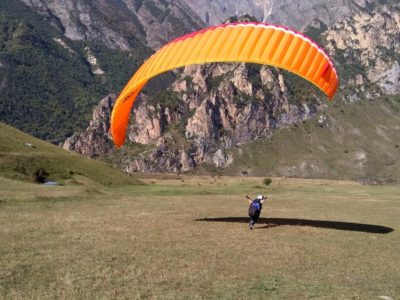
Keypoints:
pixel 264 223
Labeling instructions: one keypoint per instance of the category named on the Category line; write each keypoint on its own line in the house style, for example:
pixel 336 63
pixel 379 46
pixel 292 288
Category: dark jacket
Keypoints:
pixel 255 207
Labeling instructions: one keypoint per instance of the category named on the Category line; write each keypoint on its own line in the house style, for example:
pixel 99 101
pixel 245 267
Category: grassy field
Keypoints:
pixel 187 238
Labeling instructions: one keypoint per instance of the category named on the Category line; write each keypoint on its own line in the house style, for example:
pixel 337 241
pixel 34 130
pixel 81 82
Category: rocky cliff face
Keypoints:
pixel 216 107
pixel 296 14
pixel 118 24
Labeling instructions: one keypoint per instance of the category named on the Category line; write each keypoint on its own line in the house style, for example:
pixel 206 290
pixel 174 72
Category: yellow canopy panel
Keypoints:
pixel 237 42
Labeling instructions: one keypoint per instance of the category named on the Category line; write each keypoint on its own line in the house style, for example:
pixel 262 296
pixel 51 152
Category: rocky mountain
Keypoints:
pixel 119 23
pixel 211 110
pixel 296 14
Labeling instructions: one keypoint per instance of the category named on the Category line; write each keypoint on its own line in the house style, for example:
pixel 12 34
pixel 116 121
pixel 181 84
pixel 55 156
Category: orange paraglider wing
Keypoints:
pixel 237 42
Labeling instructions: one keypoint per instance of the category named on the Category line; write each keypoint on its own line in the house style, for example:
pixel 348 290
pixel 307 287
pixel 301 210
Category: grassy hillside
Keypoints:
pixel 189 239
pixel 27 158
pixel 358 140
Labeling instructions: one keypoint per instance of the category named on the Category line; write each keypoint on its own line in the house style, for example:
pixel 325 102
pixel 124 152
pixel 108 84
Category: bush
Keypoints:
pixel 267 181
pixel 40 175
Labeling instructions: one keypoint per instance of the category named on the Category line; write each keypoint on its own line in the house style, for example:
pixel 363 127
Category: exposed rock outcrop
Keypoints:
pixel 95 140
pixel 367 48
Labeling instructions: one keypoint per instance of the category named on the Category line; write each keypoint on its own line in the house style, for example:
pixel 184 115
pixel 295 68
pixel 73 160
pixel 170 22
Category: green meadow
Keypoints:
pixel 184 237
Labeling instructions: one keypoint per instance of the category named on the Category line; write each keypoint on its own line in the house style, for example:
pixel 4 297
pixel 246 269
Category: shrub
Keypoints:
pixel 267 181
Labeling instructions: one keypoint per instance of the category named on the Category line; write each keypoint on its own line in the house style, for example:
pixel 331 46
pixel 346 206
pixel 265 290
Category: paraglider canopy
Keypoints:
pixel 236 42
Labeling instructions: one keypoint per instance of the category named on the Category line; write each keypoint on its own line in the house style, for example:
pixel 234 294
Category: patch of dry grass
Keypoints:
pixel 149 241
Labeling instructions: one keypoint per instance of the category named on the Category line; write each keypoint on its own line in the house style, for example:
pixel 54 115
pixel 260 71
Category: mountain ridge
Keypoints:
pixel 293 14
